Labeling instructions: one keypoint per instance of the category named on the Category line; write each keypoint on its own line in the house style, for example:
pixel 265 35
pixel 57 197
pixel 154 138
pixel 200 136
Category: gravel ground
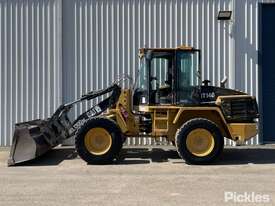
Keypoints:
pixel 146 176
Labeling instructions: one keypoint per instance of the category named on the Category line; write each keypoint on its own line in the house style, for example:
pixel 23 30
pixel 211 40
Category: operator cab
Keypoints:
pixel 168 76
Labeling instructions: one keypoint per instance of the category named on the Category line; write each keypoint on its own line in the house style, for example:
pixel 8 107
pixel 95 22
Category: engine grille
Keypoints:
pixel 240 109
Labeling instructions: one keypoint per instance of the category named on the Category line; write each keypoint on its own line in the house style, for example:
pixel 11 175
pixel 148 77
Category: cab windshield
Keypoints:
pixel 166 77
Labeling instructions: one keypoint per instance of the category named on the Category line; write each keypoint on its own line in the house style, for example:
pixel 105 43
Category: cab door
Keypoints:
pixel 187 77
pixel 160 67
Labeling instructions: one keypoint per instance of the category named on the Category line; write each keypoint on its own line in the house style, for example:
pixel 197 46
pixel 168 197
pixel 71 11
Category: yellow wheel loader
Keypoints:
pixel 169 99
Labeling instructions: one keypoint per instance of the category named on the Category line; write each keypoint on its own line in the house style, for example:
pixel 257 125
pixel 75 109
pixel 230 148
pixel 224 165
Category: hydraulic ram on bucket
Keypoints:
pixel 34 138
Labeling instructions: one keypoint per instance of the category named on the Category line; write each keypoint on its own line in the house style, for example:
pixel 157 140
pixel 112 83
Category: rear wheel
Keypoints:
pixel 199 141
pixel 99 141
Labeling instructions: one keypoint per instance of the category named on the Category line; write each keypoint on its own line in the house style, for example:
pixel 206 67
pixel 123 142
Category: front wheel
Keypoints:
pixel 199 141
pixel 99 141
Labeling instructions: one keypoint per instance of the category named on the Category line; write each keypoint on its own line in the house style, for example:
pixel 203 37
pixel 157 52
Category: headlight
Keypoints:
pixel 226 107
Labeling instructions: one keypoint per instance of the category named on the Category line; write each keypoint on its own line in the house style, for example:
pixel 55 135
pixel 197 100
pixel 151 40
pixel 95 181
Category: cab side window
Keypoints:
pixel 161 79
pixel 187 64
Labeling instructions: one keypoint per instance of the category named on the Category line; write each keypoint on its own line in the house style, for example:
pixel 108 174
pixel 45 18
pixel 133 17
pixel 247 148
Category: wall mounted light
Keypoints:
pixel 224 15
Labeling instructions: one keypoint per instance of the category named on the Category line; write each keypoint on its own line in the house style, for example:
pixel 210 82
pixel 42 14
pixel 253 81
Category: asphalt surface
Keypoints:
pixel 146 176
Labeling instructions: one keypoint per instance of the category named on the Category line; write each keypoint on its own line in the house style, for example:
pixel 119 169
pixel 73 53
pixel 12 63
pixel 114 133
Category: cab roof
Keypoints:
pixel 142 51
pixel 182 47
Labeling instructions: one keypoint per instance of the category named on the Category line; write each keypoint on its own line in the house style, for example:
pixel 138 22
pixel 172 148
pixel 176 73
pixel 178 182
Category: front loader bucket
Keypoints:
pixel 30 140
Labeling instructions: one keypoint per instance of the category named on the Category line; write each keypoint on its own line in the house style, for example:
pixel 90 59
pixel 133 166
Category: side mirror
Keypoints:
pixel 223 82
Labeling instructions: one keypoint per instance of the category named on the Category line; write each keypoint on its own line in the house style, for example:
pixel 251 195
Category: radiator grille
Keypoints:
pixel 240 110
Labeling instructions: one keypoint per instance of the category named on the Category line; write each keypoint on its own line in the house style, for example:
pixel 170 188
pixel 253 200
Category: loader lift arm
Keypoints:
pixel 34 138
pixel 96 109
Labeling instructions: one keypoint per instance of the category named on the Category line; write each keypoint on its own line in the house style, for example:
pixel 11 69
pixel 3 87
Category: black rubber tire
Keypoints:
pixel 183 132
pixel 117 141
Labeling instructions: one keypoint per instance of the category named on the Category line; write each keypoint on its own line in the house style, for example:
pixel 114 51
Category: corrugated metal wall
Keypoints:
pixel 30 61
pixel 246 36
pixel 100 41
pixel 105 35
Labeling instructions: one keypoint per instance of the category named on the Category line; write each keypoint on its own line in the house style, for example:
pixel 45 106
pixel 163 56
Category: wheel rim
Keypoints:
pixel 98 141
pixel 200 142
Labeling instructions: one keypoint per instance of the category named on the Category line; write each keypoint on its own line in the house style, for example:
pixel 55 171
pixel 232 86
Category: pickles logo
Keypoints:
pixel 246 197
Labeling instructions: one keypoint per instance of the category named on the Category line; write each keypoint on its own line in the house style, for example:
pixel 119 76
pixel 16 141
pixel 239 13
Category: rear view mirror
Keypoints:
pixel 223 82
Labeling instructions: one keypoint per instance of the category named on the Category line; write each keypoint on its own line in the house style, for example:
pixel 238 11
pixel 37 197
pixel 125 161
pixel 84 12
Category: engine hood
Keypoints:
pixel 209 94
pixel 217 91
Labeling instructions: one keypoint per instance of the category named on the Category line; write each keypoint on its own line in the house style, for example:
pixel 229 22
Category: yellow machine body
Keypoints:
pixel 167 119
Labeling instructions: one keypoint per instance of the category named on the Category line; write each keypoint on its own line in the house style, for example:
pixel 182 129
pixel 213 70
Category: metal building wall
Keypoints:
pixel 100 41
pixel 246 34
pixel 30 62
